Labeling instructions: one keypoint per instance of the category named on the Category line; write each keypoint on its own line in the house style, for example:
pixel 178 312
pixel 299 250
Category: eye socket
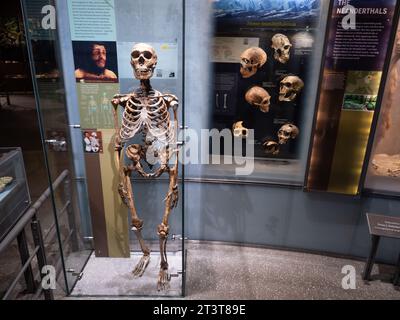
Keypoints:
pixel 135 54
pixel 286 47
pixel 147 54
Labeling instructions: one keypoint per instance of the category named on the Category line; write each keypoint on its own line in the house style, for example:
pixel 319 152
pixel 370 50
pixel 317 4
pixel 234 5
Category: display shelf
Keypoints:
pixel 14 199
pixel 8 191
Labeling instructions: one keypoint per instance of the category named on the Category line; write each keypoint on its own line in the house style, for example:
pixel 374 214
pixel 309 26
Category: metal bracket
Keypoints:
pixel 173 275
pixel 178 237
pixel 75 126
pixel 78 275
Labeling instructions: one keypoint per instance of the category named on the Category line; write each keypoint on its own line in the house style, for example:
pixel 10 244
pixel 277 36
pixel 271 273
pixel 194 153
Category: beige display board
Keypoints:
pixel 93 32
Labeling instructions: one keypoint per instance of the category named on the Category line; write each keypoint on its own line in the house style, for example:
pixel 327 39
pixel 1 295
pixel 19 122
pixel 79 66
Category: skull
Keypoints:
pixel 281 45
pixel 239 131
pixel 259 98
pixel 143 61
pixel 290 87
pixel 286 132
pixel 271 147
pixel 251 60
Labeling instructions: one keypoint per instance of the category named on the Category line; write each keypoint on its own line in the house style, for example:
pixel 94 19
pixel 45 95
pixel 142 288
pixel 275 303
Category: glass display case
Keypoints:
pixel 14 192
pixel 383 175
pixel 265 65
pixel 131 68
pixel 350 94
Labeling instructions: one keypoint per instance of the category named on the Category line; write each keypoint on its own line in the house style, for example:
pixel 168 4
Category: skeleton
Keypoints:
pixel 239 131
pixel 147 111
pixel 286 132
pixel 258 97
pixel 271 147
pixel 290 88
pixel 387 165
pixel 281 46
pixel 251 60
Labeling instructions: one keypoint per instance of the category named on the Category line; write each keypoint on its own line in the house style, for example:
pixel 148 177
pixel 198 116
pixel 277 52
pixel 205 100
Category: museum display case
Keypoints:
pixel 384 166
pixel 265 65
pixel 14 192
pixel 115 126
pixel 355 64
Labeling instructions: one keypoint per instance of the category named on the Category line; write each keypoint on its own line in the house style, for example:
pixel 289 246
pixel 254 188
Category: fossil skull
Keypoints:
pixel 290 87
pixel 258 97
pixel 251 60
pixel 239 131
pixel 271 147
pixel 282 46
pixel 286 132
pixel 143 61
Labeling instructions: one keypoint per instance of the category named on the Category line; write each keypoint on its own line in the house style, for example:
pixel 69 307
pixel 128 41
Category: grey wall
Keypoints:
pixel 286 218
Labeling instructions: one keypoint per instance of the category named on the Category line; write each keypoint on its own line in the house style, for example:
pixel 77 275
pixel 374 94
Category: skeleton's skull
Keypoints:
pixel 282 46
pixel 271 147
pixel 258 97
pixel 290 87
pixel 286 132
pixel 239 131
pixel 143 61
pixel 251 60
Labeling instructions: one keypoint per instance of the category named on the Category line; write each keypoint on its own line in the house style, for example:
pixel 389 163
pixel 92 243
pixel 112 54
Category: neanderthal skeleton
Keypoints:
pixel 147 111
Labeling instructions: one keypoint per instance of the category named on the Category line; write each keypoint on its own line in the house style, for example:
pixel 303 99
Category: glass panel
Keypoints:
pixel 43 47
pixel 383 174
pixel 351 86
pixel 99 62
pixel 260 50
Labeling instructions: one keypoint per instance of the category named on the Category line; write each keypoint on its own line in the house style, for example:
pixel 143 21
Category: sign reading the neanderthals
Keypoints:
pixel 380 225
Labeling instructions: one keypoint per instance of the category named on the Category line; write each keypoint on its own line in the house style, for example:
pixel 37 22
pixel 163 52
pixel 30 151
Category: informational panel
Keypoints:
pixel 262 54
pixel 92 20
pixel 357 50
pixel 93 34
pixel 386 226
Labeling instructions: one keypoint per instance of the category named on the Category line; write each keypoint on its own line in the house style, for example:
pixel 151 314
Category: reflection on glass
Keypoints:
pixel 264 79
pixel 384 170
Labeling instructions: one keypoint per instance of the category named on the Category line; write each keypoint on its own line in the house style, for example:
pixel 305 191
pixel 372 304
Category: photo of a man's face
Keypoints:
pixel 99 55
pixel 95 61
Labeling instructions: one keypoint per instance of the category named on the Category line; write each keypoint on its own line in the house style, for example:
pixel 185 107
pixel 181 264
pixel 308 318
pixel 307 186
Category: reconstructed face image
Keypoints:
pixel 95 61
pixel 99 55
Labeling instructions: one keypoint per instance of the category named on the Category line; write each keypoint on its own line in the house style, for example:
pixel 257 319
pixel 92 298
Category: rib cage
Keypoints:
pixel 147 113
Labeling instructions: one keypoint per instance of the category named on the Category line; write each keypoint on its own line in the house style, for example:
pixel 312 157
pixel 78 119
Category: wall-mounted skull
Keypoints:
pixel 259 97
pixel 239 131
pixel 271 147
pixel 286 132
pixel 251 60
pixel 290 87
pixel 282 46
pixel 143 61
